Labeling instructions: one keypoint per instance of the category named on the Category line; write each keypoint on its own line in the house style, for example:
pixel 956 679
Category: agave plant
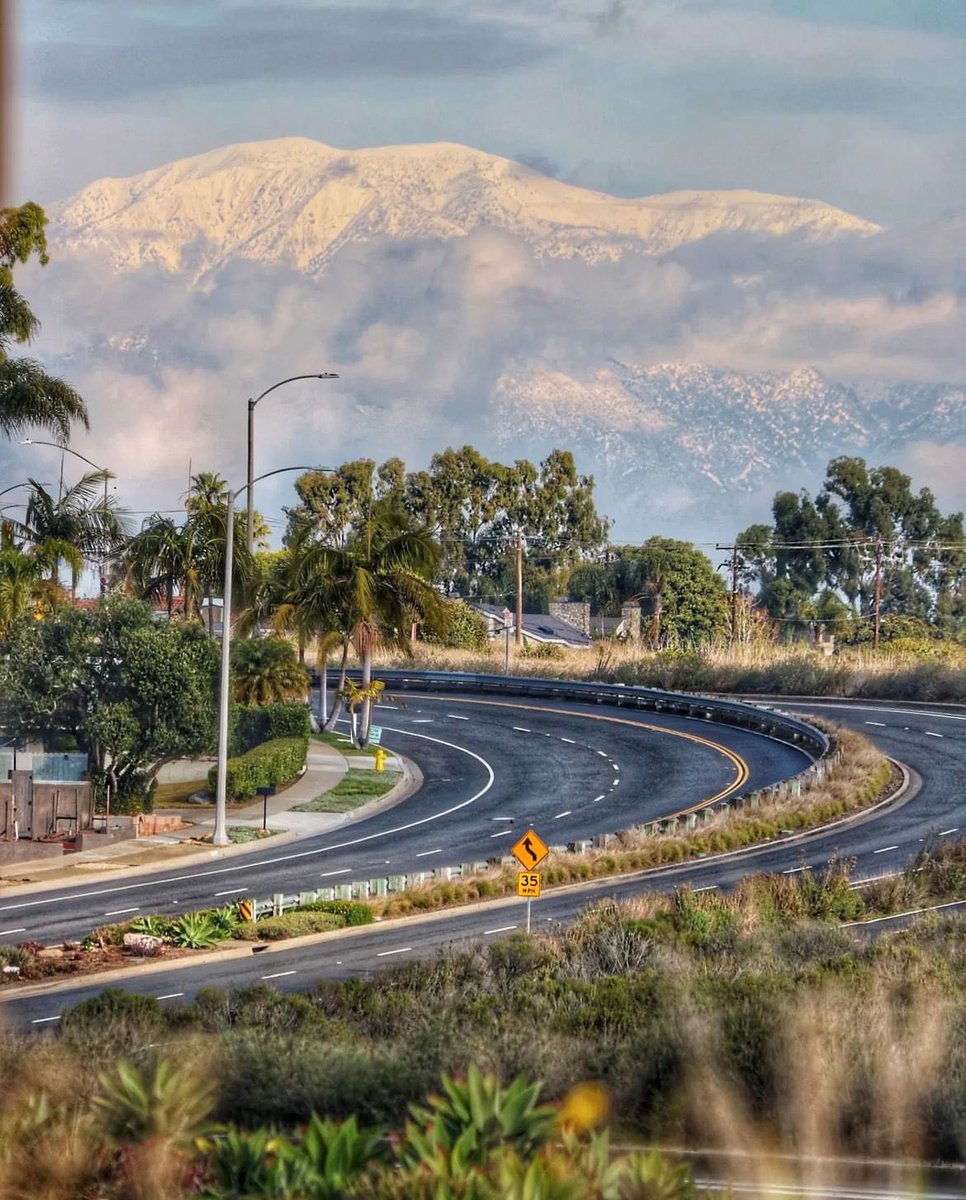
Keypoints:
pixel 154 925
pixel 196 931
pixel 475 1117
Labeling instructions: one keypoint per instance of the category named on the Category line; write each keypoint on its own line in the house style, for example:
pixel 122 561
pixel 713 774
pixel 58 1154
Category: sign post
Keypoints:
pixel 507 618
pixel 529 852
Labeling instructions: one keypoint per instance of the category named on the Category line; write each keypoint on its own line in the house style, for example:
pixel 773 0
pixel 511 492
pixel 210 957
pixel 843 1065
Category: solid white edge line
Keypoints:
pixel 269 862
pixel 401 950
pixel 502 929
pixel 278 974
pixel 910 912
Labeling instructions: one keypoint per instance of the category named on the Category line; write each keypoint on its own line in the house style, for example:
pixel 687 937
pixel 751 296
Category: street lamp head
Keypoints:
pixel 26 441
pixel 327 375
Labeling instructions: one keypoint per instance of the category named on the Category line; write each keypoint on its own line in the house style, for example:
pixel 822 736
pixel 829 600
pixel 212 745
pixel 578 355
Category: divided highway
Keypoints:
pixel 568 769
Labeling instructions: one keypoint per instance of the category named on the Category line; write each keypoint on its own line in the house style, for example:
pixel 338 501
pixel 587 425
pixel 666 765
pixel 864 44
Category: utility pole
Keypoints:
pixel 878 591
pixel 734 588
pixel 519 632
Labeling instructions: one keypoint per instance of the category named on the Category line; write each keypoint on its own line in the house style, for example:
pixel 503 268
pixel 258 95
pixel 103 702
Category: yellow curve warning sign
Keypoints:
pixel 530 851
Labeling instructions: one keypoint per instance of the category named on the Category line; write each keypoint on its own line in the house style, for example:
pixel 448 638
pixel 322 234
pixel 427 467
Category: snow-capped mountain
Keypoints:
pixel 696 350
pixel 296 202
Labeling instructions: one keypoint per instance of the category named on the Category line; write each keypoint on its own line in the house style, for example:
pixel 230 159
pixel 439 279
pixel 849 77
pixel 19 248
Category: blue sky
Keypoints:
pixel 857 102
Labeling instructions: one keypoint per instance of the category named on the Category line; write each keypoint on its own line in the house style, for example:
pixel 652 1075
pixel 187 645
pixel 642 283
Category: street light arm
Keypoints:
pixel 292 379
pixel 279 471
pixel 250 521
pixel 67 450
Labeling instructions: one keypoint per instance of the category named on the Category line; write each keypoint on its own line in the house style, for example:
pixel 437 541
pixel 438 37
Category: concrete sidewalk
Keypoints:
pixel 324 768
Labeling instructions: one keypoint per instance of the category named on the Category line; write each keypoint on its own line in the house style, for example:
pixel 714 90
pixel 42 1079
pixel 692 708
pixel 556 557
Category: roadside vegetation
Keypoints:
pixel 746 1022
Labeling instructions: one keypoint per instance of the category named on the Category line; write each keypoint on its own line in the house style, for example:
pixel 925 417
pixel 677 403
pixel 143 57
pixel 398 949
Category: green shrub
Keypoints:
pixel 546 650
pixel 351 911
pixel 289 925
pixel 267 765
pixel 461 628
pixel 255 725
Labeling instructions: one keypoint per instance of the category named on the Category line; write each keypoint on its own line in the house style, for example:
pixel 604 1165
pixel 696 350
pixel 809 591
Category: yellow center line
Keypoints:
pixel 742 770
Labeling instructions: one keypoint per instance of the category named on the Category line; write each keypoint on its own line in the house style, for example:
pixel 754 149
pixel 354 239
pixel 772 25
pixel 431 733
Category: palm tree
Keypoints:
pixel 267 671
pixel 83 523
pixel 375 585
pixel 29 397
pixel 208 490
pixel 21 585
pixel 155 560
pixel 165 559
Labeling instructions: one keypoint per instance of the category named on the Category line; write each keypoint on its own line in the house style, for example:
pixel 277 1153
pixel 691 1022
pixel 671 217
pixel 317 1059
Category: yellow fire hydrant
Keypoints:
pixel 380 759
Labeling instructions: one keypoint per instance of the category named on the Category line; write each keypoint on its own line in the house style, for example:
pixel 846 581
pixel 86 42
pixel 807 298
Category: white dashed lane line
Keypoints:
pixel 43 1020
pixel 522 729
pixel 929 733
pixel 423 721
pixel 327 874
pixel 602 753
pixel 943 833
pixel 569 740
pixel 116 912
pixel 499 833
pixel 278 975
pixel 885 849
pixel 401 950
pixel 597 799
pixel 171 996
pixel 881 724
pixel 7 932
pixel 502 929
pixel 565 813
pixel 454 717
pixel 795 870
pixel 427 853
pixel 231 892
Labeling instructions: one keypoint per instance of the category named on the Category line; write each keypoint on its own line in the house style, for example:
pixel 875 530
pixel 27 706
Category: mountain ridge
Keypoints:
pixel 296 201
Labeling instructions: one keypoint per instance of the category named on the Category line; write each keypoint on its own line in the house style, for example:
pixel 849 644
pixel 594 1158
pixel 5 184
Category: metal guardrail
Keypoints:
pixel 784 728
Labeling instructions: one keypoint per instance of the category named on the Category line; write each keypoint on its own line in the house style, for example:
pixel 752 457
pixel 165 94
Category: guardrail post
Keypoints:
pixel 327 893
pixel 343 891
pixel 360 889
pixel 378 887
pixel 396 883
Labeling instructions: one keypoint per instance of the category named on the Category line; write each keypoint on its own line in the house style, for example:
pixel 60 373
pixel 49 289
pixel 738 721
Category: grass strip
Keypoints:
pixel 357 787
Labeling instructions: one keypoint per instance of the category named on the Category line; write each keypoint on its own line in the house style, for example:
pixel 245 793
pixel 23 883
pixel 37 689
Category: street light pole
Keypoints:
pixel 220 835
pixel 250 531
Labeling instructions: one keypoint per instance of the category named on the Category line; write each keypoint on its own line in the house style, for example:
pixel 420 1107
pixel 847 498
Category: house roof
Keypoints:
pixel 538 627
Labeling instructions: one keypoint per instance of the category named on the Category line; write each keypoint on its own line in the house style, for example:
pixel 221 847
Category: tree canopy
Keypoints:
pixel 131 691
pixel 818 559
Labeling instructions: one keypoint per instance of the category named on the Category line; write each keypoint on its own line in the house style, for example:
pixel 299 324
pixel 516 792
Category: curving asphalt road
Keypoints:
pixel 491 768
pixel 544 773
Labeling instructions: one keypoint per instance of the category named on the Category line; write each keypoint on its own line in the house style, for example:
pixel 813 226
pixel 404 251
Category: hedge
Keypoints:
pixel 267 765
pixel 352 911
pixel 256 724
